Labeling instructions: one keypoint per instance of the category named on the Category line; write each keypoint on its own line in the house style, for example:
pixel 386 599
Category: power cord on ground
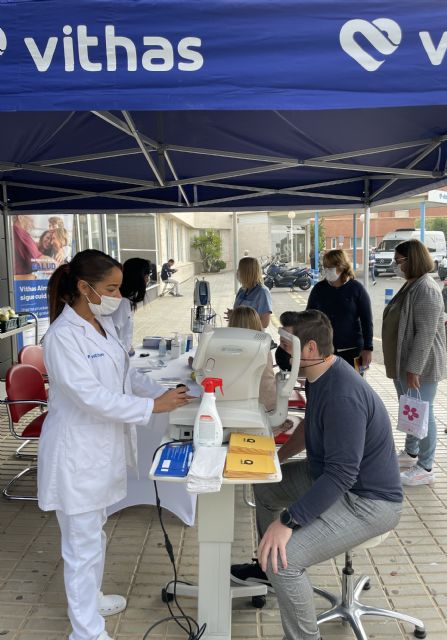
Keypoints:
pixel 188 624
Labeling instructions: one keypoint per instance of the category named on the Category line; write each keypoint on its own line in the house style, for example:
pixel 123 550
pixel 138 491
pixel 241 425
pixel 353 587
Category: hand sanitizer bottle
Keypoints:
pixel 175 347
pixel 208 431
pixel 162 348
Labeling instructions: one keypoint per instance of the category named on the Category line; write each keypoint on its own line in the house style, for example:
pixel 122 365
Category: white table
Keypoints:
pixel 140 489
pixel 214 590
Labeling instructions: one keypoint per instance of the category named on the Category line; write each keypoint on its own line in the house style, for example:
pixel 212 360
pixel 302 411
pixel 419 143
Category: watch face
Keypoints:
pixel 286 518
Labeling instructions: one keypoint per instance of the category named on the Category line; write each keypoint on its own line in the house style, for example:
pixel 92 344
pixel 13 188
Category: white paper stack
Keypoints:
pixel 205 472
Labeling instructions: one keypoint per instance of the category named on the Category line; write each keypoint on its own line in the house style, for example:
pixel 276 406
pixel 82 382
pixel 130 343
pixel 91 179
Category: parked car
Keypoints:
pixel 442 269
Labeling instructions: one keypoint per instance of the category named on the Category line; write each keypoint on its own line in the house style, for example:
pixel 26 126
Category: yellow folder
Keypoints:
pixel 253 444
pixel 247 465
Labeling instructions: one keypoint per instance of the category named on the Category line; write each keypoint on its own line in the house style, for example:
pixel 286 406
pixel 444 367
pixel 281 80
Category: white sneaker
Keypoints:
pixel 405 461
pixel 417 475
pixel 104 636
pixel 110 605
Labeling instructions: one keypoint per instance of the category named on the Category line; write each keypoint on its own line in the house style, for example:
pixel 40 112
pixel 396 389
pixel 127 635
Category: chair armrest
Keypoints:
pixel 42 403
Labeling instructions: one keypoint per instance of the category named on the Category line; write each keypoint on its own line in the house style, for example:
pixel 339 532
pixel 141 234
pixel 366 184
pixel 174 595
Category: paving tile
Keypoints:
pixel 408 571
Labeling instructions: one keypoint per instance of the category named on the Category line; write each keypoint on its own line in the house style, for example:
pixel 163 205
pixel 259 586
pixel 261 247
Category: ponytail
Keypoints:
pixel 60 291
pixel 89 265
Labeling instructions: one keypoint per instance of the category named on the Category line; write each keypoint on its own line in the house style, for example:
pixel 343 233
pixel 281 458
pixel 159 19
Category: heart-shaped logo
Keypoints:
pixel 3 42
pixel 383 34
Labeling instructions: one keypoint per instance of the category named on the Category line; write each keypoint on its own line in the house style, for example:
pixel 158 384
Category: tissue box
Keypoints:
pixel 151 342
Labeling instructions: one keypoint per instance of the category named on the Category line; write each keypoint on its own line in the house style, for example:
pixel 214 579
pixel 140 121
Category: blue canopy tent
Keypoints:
pixel 236 104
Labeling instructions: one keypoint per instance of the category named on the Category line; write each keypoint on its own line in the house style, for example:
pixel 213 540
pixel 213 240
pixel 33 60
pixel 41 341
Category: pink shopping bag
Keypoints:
pixel 413 415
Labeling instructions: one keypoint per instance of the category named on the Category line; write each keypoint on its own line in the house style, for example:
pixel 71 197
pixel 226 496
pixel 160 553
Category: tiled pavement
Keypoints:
pixel 408 571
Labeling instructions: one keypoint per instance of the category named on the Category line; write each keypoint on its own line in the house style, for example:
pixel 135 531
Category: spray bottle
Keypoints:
pixel 208 431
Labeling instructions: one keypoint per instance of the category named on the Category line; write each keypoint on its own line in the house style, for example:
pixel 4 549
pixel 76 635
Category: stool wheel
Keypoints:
pixel 258 602
pixel 367 586
pixel 420 633
pixel 166 596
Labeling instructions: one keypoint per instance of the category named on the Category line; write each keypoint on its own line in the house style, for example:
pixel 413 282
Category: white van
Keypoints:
pixel 384 254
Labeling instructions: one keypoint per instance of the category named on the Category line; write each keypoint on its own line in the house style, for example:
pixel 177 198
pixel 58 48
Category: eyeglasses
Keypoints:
pixel 399 260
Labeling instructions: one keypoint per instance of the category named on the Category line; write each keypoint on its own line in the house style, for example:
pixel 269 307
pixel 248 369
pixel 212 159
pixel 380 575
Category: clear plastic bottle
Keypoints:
pixel 162 348
pixel 175 348
pixel 182 344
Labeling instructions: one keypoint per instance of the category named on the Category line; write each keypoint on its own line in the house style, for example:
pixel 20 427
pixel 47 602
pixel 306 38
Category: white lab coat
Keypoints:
pixel 123 321
pixel 89 432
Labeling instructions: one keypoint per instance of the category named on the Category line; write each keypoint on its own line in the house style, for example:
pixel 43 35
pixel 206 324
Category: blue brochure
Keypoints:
pixel 175 460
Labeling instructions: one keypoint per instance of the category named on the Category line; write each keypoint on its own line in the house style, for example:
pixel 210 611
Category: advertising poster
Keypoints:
pixel 40 244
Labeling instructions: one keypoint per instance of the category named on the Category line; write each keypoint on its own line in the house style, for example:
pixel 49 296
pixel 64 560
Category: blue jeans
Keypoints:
pixel 425 448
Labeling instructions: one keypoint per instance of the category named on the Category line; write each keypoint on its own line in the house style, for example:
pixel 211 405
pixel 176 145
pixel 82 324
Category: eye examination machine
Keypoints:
pixel 238 357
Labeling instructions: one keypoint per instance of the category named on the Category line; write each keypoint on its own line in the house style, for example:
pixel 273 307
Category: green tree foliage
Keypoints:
pixel 209 246
pixel 433 224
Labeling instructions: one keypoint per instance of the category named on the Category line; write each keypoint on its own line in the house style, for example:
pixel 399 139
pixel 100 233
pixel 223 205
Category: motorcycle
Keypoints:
pixel 278 276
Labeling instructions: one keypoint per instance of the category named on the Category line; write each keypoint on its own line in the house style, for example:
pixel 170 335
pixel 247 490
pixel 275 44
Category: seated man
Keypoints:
pixel 166 273
pixel 347 490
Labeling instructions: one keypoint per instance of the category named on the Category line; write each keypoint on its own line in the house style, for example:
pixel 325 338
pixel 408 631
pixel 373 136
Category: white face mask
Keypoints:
pixel 331 274
pixel 398 270
pixel 106 307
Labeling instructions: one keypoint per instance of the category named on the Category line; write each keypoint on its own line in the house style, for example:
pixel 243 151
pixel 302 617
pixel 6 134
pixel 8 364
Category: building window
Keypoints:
pixel 359 243
pixel 136 234
pixel 333 243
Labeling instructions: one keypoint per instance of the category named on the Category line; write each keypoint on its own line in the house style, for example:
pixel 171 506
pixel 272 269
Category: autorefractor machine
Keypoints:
pixel 239 357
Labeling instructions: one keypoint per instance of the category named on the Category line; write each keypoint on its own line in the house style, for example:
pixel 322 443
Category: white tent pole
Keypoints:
pixel 367 211
pixel 235 250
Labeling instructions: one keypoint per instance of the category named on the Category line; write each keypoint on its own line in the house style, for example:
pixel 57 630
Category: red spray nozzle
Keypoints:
pixel 210 384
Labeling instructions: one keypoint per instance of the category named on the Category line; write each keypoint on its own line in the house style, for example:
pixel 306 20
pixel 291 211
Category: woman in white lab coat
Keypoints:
pixel 136 273
pixel 88 435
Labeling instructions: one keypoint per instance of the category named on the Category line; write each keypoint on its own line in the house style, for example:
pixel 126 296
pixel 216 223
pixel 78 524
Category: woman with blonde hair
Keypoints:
pixel 414 350
pixel 253 293
pixel 348 306
pixel 248 318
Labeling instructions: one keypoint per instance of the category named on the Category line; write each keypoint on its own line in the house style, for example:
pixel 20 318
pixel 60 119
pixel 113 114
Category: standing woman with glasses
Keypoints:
pixel 88 436
pixel 414 350
pixel 347 305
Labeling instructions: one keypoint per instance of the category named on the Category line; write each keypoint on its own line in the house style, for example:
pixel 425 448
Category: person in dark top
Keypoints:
pixel 345 492
pixel 348 306
pixel 167 270
pixel 288 319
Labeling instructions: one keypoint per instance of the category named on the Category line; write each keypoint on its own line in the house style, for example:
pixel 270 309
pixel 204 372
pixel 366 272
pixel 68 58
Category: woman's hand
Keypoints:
pixel 171 400
pixel 413 381
pixel 366 357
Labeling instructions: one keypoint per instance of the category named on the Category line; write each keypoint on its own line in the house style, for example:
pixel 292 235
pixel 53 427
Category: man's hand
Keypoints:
pixel 171 400
pixel 366 357
pixel 413 381
pixel 274 542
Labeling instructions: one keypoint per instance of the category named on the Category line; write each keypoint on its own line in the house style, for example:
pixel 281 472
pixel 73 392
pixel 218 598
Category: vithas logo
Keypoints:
pixel 3 42
pixel 383 34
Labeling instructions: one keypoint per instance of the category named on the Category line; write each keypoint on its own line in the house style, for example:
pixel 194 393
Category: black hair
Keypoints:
pixel 133 287
pixel 289 318
pixel 315 325
pixel 90 265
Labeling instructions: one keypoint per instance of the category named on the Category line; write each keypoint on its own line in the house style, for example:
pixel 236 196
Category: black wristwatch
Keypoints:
pixel 286 518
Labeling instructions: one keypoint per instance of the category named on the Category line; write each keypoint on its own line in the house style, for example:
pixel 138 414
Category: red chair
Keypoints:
pixel 33 354
pixel 25 391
